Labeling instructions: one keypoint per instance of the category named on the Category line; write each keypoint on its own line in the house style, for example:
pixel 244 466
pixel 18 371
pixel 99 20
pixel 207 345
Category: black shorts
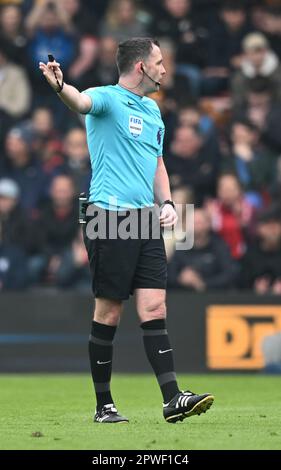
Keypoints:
pixel 118 265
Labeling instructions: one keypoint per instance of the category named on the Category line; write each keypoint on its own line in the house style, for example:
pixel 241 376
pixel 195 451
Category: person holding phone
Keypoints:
pixel 125 136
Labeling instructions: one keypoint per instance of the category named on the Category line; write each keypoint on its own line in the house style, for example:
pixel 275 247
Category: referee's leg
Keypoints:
pixel 151 307
pixel 105 321
pixel 177 405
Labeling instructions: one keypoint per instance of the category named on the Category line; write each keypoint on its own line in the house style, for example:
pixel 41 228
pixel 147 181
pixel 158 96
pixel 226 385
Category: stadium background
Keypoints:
pixel 221 104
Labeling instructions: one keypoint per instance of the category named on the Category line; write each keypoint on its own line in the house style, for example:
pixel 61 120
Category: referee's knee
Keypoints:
pixel 107 312
pixel 155 310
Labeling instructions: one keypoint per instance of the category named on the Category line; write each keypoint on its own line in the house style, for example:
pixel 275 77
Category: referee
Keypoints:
pixel 125 138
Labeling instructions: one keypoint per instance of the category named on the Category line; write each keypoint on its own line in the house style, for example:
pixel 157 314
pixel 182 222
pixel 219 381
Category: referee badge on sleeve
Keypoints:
pixel 135 125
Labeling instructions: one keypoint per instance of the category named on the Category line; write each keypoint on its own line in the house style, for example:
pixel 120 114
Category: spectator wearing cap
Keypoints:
pixel 22 166
pixel 259 61
pixel 14 225
pixel 13 267
pixel 261 267
pixel 13 261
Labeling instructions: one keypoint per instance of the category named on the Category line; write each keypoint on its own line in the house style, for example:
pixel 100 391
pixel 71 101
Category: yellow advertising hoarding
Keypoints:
pixel 235 334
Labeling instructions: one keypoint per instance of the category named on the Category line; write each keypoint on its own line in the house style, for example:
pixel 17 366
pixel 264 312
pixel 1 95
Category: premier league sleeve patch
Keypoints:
pixel 135 125
pixel 160 134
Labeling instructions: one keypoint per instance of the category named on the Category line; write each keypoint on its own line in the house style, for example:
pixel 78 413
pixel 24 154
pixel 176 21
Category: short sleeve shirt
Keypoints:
pixel 125 135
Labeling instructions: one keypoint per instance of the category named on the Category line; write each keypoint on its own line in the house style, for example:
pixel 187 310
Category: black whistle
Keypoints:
pixel 51 58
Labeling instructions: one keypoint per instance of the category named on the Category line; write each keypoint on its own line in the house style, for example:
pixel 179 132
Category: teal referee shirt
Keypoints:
pixel 125 137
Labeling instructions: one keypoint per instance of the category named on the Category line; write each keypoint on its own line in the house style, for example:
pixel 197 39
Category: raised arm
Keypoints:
pixel 69 95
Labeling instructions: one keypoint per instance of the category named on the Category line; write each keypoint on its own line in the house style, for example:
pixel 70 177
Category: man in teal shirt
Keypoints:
pixel 125 137
pixel 125 163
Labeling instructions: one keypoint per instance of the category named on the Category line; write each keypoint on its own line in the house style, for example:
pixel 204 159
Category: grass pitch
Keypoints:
pixel 55 412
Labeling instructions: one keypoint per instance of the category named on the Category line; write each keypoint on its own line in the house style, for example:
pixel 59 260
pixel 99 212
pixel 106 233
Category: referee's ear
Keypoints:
pixel 139 67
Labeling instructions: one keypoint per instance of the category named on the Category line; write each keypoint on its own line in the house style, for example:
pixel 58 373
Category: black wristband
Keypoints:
pixel 169 202
pixel 60 86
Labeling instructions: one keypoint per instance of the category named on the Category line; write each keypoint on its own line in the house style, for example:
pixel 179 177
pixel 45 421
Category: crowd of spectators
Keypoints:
pixel 221 104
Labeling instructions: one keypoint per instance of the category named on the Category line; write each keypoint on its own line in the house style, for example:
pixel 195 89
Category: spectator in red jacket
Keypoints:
pixel 231 214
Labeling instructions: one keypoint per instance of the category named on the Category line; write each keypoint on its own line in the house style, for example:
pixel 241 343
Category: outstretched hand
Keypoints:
pixel 49 70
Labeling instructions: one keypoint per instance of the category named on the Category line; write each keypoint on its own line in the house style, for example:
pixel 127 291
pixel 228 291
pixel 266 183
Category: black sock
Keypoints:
pixel 100 353
pixel 160 356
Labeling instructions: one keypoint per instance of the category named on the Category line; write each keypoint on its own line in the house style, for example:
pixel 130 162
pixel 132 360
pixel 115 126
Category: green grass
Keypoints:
pixel 246 414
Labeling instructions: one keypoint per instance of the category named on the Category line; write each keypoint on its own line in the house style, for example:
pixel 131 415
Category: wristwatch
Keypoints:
pixel 168 202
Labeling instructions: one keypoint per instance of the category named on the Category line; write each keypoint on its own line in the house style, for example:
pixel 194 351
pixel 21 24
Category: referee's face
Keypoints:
pixel 155 69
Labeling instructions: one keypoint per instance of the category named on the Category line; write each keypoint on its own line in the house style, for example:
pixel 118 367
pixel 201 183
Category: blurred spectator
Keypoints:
pixel 84 25
pixel 77 160
pixel 103 70
pixel 15 91
pixel 232 215
pixel 223 48
pixel 190 162
pixel 82 65
pixel 13 267
pixel 80 17
pixel 168 96
pixel 21 166
pixel 214 58
pixel 59 215
pixel 121 21
pixel 264 113
pixel 73 268
pixel 175 91
pixel 262 263
pixel 181 196
pixel 175 84
pixel 59 226
pixel 259 61
pixel 14 226
pixel 176 21
pixel 192 116
pixel 50 30
pixel 46 141
pixel 13 234
pixel 208 265
pixel 253 165
pixel 267 19
pixel 42 126
pixel 11 30
pixel 226 37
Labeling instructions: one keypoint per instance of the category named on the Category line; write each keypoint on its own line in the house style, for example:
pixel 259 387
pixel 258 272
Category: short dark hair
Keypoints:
pixel 244 121
pixel 131 51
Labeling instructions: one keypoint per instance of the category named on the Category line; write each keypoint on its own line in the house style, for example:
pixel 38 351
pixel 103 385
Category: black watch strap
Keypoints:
pixel 60 86
pixel 169 202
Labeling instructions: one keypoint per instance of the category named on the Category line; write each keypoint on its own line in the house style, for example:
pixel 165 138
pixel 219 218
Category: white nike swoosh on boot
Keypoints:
pixel 100 362
pixel 162 352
